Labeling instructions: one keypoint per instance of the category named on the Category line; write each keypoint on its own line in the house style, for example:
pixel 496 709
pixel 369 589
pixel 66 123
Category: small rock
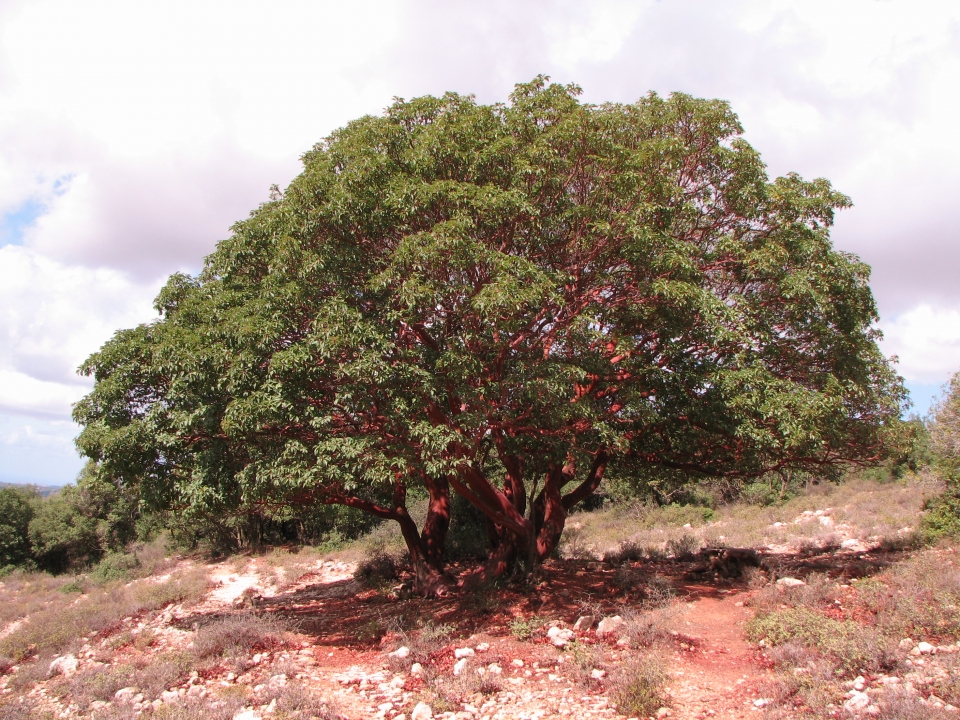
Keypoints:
pixel 494 668
pixel 247 714
pixel 597 674
pixel 421 712
pixel 559 637
pixel 464 653
pixel 762 702
pixel 397 682
pixel 416 669
pixel 483 647
pixel 859 683
pixel 790 582
pixel 459 665
pixel 197 691
pixel 98 705
pixel 906 644
pixel 169 696
pixel 925 648
pixel 857 701
pixel 663 712
pixel 125 694
pixel 384 707
pixel 63 665
pixel 610 625
pixel 401 652
pixel 516 662
pixel 584 623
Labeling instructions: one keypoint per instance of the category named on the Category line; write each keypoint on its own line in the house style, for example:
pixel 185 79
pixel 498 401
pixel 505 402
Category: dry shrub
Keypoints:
pixel 237 635
pixel 295 701
pixel 683 547
pixel 583 659
pixel 378 568
pixel 628 579
pixel 450 691
pixel 58 625
pixel 19 707
pixel 899 705
pixel 161 672
pixel 628 551
pixel 919 596
pixel 93 684
pixel 819 591
pixel 644 628
pixel 852 646
pixel 637 686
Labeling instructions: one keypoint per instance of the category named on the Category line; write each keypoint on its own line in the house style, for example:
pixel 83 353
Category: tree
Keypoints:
pixel 16 510
pixel 943 512
pixel 502 300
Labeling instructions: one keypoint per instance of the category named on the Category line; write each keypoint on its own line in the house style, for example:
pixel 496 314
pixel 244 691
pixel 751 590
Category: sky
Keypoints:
pixel 133 135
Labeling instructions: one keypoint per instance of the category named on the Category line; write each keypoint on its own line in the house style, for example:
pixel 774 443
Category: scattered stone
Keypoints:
pixel 925 648
pixel 610 625
pixel 421 712
pixel 169 696
pixel 790 582
pixel 906 644
pixel 859 683
pixel 63 665
pixel 663 712
pixel 464 653
pixel 483 647
pixel 247 714
pixel 597 674
pixel 516 662
pixel 762 702
pixel 584 623
pixel 559 637
pixel 416 669
pixel 400 653
pixel 459 665
pixel 126 694
pixel 858 701
pixel 494 668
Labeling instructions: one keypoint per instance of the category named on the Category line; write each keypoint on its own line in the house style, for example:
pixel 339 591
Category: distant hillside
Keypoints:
pixel 44 490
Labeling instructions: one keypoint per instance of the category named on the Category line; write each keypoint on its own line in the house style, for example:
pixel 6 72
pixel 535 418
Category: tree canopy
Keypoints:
pixel 502 300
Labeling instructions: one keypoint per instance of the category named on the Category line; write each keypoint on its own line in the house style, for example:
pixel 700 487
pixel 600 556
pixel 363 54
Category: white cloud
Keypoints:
pixel 165 122
pixel 927 341
pixel 52 316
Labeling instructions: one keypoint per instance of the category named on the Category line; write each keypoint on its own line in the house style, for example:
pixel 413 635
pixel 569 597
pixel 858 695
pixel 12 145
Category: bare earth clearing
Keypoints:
pixel 295 636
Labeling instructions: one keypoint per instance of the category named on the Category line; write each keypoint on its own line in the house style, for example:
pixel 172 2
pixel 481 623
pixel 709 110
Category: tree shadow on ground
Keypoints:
pixel 344 613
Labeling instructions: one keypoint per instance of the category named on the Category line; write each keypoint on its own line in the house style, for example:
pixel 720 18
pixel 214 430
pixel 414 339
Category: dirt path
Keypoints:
pixel 718 676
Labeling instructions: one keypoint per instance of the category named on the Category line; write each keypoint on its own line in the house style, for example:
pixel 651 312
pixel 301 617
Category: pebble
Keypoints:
pixel 400 653
pixel 464 653
pixel 610 625
pixel 790 582
pixel 422 712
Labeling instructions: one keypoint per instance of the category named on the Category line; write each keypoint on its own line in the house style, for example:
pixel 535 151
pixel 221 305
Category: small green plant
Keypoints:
pixel 523 628
pixel 853 646
pixel 637 687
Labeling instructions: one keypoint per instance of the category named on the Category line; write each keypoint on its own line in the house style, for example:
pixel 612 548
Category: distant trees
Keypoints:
pixel 500 301
pixel 943 516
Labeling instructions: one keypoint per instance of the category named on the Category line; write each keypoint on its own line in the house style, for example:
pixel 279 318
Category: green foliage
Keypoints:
pixel 16 511
pixel 454 288
pixel 854 646
pixel 637 687
pixel 943 513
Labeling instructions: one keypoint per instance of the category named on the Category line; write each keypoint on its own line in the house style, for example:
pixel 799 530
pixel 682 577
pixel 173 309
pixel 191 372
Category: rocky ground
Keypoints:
pixel 630 637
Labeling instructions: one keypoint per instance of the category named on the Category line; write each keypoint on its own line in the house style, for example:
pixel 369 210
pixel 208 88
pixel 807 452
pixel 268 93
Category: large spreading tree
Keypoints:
pixel 501 301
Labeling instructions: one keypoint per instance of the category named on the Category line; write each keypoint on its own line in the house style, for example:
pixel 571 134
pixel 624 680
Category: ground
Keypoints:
pixel 835 610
